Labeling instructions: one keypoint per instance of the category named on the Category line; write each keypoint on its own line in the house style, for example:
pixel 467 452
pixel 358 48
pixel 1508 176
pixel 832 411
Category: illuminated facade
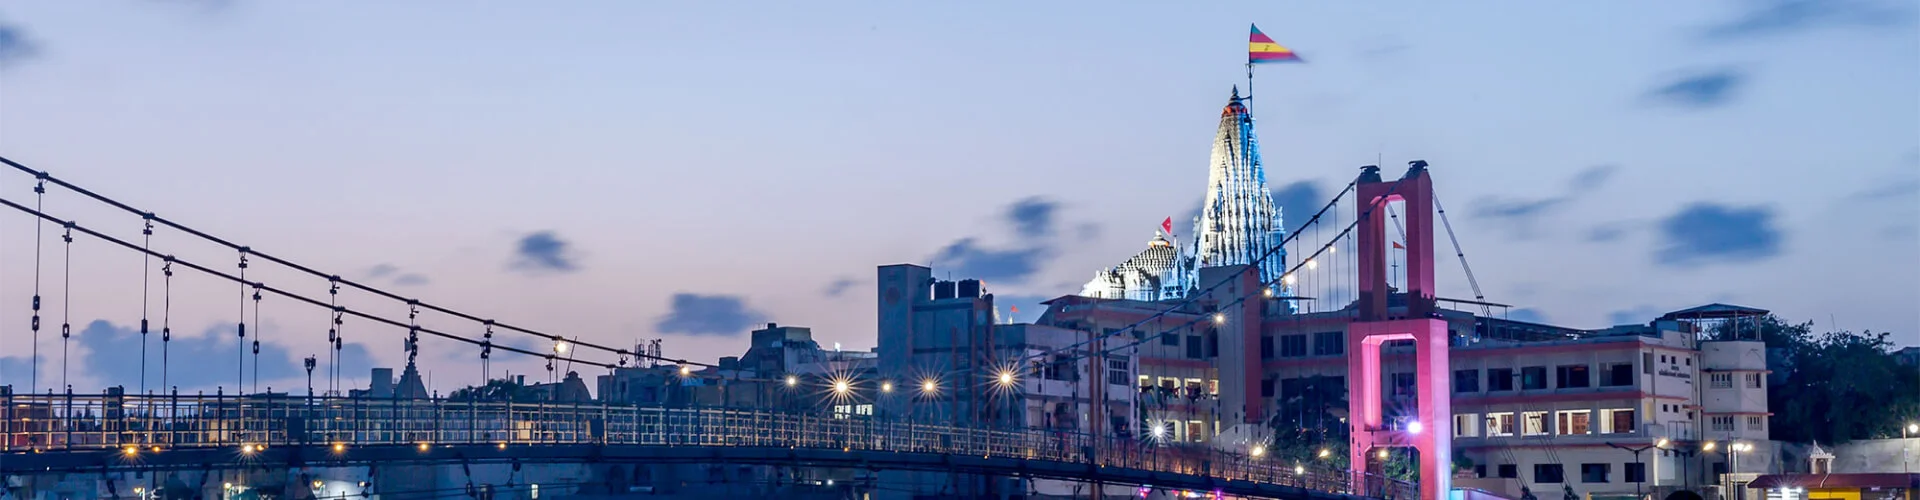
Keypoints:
pixel 1238 223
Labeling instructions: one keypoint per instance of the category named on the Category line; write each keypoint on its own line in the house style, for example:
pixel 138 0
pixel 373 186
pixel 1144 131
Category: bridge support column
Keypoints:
pixel 1415 319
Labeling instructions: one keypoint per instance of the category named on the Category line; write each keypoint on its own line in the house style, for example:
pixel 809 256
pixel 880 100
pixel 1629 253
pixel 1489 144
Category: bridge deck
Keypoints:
pixel 87 433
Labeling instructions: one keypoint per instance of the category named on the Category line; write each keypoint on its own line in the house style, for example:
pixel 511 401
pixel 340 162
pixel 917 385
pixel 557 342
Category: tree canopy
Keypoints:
pixel 1834 387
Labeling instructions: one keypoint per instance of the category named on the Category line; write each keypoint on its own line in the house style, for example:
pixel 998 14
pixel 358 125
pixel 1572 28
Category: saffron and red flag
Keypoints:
pixel 1261 49
pixel 1396 245
pixel 1167 225
pixel 1014 308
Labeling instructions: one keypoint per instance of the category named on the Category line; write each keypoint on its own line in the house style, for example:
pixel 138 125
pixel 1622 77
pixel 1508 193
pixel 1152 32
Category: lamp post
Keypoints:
pixel 1636 460
pixel 1906 450
pixel 310 362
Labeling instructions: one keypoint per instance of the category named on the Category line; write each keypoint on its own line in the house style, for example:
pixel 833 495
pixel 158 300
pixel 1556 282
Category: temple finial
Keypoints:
pixel 1236 92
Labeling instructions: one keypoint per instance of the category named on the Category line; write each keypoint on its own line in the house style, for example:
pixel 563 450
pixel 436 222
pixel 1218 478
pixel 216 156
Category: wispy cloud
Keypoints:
pixel 1519 215
pixel 1033 217
pixel 1708 232
pixel 14 45
pixel 1700 89
pixel 1036 238
pixel 1763 18
pixel 696 314
pixel 839 287
pixel 543 251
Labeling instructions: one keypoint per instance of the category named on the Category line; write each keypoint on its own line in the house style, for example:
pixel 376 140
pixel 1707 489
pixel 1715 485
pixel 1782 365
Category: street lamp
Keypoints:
pixel 310 362
pixel 1642 478
pixel 1906 451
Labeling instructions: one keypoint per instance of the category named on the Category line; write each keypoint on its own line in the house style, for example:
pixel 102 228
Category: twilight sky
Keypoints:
pixel 622 171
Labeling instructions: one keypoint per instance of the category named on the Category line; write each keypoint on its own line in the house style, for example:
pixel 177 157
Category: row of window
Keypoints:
pixel 1555 473
pixel 1725 380
pixel 1724 423
pixel 1295 345
pixel 1535 377
pixel 1536 423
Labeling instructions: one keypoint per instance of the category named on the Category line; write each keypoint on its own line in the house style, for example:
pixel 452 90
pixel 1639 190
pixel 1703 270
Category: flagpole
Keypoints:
pixel 1249 85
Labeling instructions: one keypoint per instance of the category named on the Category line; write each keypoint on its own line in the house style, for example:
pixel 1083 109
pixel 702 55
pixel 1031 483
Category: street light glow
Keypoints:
pixel 886 387
pixel 1707 447
pixel 791 380
pixel 560 346
pixel 339 447
pixel 686 370
pixel 246 449
pixel 1289 278
pixel 1299 469
pixel 929 386
pixel 840 387
pixel 1383 453
pixel 1006 377
pixel 1159 431
pixel 1913 428
pixel 1258 451
pixel 132 450
pixel 1662 443
pixel 1219 318
pixel 1324 453
pixel 1414 427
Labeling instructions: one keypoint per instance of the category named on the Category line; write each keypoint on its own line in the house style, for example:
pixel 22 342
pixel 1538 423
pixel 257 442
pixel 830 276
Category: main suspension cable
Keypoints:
pixel 370 289
pixel 146 277
pixel 39 200
pixel 66 307
pixel 277 291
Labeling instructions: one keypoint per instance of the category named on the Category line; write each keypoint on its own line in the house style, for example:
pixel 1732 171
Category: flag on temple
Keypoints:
pixel 1015 309
pixel 1167 225
pixel 1396 245
pixel 1261 49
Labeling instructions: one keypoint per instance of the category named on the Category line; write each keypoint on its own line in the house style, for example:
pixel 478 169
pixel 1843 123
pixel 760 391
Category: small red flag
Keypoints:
pixel 1015 308
pixel 1167 225
pixel 1397 245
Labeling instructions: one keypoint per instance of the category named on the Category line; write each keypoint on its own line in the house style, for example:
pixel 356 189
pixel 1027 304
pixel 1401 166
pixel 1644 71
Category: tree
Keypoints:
pixel 1832 387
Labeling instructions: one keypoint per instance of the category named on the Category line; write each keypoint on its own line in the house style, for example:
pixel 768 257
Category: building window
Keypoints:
pixel 1194 349
pixel 1213 343
pixel 1266 347
pixel 1145 382
pixel 1573 376
pixel 1753 381
pixel 1618 421
pixel 1533 377
pixel 1720 380
pixel 1499 379
pixel 1293 346
pixel 1118 371
pixel 1594 473
pixel 1533 423
pixel 1646 363
pixel 1329 343
pixel 1617 375
pixel 1168 338
pixel 1499 424
pixel 1548 473
pixel 1509 471
pixel 1756 423
pixel 1722 423
pixel 1466 381
pixel 1213 386
pixel 1196 430
pixel 1466 425
pixel 1634 472
pixel 1266 388
pixel 1573 422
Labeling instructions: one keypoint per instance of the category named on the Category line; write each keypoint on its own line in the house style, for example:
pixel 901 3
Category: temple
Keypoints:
pixel 1237 224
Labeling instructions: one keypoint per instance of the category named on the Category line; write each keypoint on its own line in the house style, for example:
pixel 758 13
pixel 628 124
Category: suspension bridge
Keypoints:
pixel 51 429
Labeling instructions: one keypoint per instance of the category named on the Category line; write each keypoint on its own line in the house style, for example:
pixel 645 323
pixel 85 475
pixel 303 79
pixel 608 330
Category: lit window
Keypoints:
pixel 1533 423
pixel 1499 424
pixel 1466 425
pixel 1753 381
pixel 1617 421
pixel 1573 422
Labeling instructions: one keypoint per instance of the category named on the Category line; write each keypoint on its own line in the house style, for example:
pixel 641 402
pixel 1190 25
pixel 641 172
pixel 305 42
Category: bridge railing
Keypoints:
pixel 43 423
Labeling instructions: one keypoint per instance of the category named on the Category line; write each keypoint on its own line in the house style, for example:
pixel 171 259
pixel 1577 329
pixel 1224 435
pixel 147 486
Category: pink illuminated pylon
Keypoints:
pixel 1378 324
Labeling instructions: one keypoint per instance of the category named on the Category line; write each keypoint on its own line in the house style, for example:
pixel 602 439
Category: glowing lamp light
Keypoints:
pixel 226 486
pixel 1324 453
pixel 1006 377
pixel 1311 264
pixel 791 380
pixel 1289 278
pixel 1258 451
pixel 246 449
pixel 886 387
pixel 686 370
pixel 1414 427
pixel 1299 470
pixel 1159 431
pixel 560 346
pixel 502 446
pixel 1913 428
pixel 1219 318
pixel 339 447
pixel 1662 443
pixel 840 387
pixel 1383 454
pixel 1707 447
pixel 131 451
pixel 317 484
pixel 423 447
pixel 1269 291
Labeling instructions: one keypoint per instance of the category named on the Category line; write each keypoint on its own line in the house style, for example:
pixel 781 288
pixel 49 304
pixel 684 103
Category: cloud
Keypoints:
pixel 1605 233
pixel 111 353
pixel 695 314
pixel 1762 18
pixel 1706 232
pixel 1298 202
pixel 381 270
pixel 967 258
pixel 1520 214
pixel 410 279
pixel 543 251
pixel 1638 315
pixel 14 45
pixel 1032 217
pixel 839 287
pixel 17 371
pixel 1527 314
pixel 1890 191
pixel 1699 90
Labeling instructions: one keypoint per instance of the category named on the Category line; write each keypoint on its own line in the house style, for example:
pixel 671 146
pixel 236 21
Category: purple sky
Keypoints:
pixel 621 171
